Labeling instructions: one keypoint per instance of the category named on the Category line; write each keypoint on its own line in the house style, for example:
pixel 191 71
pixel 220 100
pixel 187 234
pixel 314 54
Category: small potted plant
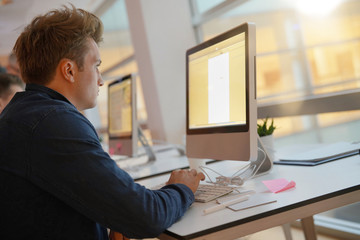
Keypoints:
pixel 265 132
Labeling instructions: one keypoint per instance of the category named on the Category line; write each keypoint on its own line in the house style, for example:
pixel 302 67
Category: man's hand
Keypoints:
pixel 190 178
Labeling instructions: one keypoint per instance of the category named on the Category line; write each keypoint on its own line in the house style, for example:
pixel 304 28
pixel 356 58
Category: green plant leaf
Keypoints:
pixel 264 130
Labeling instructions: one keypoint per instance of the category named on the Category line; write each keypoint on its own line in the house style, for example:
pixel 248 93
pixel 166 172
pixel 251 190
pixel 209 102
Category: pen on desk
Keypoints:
pixel 237 195
pixel 225 204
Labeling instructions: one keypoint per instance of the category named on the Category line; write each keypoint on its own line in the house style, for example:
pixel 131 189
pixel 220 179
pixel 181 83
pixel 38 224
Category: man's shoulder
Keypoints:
pixel 29 103
pixel 31 109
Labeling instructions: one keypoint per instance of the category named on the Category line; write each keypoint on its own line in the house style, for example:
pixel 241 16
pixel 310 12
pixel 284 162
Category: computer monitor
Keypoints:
pixel 221 109
pixel 122 124
pixel 123 128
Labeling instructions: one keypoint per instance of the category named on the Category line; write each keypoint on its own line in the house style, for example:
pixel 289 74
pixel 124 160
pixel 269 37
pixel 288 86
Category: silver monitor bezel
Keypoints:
pixel 227 142
pixel 128 143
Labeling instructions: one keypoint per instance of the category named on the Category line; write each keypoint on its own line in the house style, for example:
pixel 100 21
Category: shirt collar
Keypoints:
pixel 52 93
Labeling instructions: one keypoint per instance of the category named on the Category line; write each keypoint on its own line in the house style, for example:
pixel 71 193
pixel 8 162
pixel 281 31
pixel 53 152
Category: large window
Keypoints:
pixel 306 50
pixel 302 49
pixel 117 55
pixel 117 44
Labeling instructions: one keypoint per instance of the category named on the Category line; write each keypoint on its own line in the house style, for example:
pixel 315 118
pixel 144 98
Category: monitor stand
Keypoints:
pixel 150 150
pixel 138 160
pixel 144 142
pixel 258 167
pixel 263 162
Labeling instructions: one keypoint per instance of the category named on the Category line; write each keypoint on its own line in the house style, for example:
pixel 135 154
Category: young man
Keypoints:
pixel 56 182
pixel 9 85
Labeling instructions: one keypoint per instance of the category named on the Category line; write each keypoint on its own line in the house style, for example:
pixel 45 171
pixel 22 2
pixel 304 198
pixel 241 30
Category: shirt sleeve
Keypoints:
pixel 68 161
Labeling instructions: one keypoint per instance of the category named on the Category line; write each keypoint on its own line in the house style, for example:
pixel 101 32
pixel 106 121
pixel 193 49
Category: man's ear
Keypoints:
pixel 67 69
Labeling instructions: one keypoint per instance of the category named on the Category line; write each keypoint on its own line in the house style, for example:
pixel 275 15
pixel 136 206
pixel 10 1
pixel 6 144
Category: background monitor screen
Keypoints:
pixel 122 127
pixel 221 99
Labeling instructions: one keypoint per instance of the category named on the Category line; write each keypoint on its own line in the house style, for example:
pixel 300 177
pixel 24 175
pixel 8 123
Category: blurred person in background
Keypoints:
pixel 13 66
pixel 9 85
pixel 2 69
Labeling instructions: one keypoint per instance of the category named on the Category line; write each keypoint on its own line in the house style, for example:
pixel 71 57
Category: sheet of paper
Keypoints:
pixel 254 201
pixel 279 185
pixel 319 152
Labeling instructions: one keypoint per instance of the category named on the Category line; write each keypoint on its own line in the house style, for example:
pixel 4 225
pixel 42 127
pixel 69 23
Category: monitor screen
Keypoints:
pixel 217 85
pixel 122 126
pixel 221 98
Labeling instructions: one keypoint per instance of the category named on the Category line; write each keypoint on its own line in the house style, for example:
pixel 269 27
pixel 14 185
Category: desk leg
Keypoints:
pixel 287 231
pixel 309 228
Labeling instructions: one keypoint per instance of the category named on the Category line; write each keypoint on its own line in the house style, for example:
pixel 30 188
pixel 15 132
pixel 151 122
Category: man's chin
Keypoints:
pixel 90 106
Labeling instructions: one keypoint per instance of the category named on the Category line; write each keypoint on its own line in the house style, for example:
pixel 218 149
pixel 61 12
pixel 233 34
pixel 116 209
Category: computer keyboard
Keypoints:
pixel 207 192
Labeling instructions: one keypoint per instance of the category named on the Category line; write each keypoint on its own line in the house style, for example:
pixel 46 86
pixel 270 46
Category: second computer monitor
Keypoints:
pixel 221 109
pixel 122 121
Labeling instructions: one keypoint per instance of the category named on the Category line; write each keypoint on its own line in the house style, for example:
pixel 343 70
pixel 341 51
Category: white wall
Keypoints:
pixel 161 32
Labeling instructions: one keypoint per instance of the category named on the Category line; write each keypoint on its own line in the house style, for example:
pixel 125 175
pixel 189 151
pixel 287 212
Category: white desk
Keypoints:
pixel 318 189
pixel 165 162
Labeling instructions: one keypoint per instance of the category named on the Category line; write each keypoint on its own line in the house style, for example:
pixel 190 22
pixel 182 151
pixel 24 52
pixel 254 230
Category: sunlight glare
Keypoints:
pixel 317 7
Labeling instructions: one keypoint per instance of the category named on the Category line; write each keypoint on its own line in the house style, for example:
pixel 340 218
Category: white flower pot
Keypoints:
pixel 268 143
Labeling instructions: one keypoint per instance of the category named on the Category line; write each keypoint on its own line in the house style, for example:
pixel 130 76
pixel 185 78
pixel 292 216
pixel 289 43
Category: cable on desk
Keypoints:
pixel 240 176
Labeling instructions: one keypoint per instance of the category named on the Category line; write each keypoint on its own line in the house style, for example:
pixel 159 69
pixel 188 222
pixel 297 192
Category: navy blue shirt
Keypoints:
pixel 56 182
